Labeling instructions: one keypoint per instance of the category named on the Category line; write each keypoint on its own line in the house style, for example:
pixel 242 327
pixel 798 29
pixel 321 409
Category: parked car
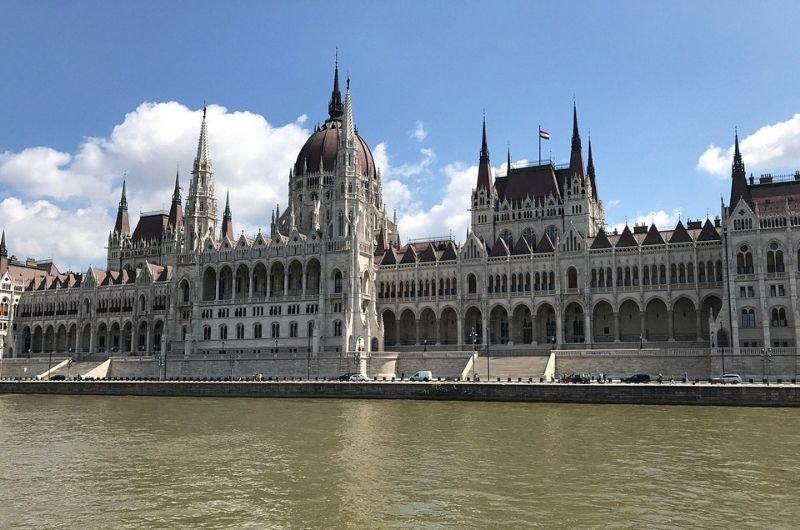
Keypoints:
pixel 422 375
pixel 58 377
pixel 358 378
pixel 637 378
pixel 347 376
pixel 732 379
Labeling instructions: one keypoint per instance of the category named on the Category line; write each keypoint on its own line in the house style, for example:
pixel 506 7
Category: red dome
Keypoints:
pixel 321 146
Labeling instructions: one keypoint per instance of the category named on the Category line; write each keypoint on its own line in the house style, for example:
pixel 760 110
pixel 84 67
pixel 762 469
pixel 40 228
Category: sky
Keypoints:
pixel 94 91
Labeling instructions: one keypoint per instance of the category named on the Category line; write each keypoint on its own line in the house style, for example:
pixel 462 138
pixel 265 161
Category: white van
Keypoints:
pixel 422 375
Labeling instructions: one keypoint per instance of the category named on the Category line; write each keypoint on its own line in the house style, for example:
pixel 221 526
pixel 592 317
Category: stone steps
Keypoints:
pixel 513 367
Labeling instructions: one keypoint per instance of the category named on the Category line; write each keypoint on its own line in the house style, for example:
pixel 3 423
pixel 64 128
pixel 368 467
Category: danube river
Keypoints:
pixel 145 462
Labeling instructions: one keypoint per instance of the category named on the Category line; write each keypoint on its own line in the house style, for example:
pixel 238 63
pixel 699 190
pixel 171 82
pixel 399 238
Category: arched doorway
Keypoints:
pixel 389 328
pixel 498 325
pixel 427 327
pixel 656 321
pixel 521 325
pixel 684 319
pixel 408 328
pixel 546 324
pixel 603 322
pixel 448 326
pixel 574 323
pixel 630 322
pixel 473 326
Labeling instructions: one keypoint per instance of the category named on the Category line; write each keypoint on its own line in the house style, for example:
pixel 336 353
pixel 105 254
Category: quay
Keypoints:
pixel 761 395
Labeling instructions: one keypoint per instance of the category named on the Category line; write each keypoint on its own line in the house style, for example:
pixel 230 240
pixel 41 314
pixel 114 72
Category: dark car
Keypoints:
pixel 347 376
pixel 637 378
pixel 58 377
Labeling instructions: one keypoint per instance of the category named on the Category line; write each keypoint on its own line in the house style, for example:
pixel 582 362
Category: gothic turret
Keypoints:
pixel 122 227
pixel 3 249
pixel 590 171
pixel 575 157
pixel 227 219
pixel 484 167
pixel 176 210
pixel 739 188
pixel 335 108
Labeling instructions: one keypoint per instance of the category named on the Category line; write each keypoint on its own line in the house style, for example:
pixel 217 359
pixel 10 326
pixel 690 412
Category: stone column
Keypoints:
pixel 418 321
pixel 643 325
pixel 588 332
pixel 459 331
pixel 559 328
pixel 670 326
pixel 616 326
pixel 286 283
pixel 252 280
pixel 534 329
pixel 698 326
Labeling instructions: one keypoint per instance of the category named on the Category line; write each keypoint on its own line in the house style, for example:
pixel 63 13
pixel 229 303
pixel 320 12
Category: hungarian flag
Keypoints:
pixel 544 135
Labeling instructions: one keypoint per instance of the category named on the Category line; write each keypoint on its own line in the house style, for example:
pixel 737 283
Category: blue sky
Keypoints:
pixel 658 84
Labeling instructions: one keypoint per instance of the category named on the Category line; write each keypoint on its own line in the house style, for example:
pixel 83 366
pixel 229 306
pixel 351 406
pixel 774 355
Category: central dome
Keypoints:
pixel 319 152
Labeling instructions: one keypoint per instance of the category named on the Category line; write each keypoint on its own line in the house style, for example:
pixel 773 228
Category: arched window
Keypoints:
pixel 206 332
pixel 239 331
pixel 276 330
pixel 337 328
pixel 572 278
pixel 508 237
pixel 530 236
pixel 748 318
pixel 744 261
pixel 257 330
pixel 778 317
pixel 337 282
pixel 472 284
pixel 774 258
pixel 223 332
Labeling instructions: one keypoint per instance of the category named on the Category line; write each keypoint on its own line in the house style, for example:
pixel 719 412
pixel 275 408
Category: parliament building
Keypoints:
pixel 538 270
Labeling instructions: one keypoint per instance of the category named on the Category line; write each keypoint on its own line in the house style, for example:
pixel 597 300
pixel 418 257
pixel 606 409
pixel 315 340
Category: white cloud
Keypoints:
pixel 418 133
pixel 41 229
pixel 251 157
pixel 612 203
pixel 449 214
pixel 661 218
pixel 770 147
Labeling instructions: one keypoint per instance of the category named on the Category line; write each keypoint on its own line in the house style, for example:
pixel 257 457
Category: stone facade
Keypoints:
pixel 537 269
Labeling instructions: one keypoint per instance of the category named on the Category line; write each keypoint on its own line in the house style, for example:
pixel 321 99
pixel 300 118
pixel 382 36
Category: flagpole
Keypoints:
pixel 539 134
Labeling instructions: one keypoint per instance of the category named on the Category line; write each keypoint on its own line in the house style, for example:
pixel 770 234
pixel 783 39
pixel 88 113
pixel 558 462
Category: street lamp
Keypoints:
pixel 49 363
pixel 425 345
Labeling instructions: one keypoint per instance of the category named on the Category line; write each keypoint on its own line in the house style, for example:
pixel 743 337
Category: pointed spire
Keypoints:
pixel 202 160
pixel 3 249
pixel 484 166
pixel 335 104
pixel 122 227
pixel 176 210
pixel 590 170
pixel 738 164
pixel 508 161
pixel 348 125
pixel 227 219
pixel 575 157
pixel 739 187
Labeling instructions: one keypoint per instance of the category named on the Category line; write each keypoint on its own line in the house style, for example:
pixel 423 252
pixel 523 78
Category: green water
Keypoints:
pixel 139 462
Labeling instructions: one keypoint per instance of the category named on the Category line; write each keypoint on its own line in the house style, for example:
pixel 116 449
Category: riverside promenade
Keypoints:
pixel 761 395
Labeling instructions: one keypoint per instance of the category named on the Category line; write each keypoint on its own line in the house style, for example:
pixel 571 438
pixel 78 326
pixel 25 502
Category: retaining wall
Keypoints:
pixel 666 394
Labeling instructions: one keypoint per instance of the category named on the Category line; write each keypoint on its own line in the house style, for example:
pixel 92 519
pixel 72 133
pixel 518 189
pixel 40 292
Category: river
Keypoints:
pixel 148 462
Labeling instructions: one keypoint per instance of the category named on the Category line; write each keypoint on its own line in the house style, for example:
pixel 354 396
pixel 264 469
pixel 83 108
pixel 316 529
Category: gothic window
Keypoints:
pixel 223 332
pixel 774 258
pixel 257 330
pixel 552 231
pixel 293 329
pixel 206 332
pixel 778 317
pixel 337 282
pixel 529 236
pixel 472 284
pixel 341 223
pixel 276 330
pixel 508 237
pixel 239 331
pixel 744 261
pixel 337 328
pixel 572 278
pixel 748 318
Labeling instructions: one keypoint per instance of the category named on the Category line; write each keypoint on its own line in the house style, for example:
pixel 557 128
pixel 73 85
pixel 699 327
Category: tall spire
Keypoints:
pixel 122 227
pixel 3 249
pixel 227 219
pixel 739 187
pixel 335 104
pixel 575 157
pixel 508 162
pixel 738 164
pixel 348 126
pixel 202 160
pixel 175 210
pixel 484 167
pixel 590 170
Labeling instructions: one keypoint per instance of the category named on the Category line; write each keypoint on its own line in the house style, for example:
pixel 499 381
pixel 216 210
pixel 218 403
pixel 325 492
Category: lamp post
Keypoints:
pixel 425 345
pixel 49 363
